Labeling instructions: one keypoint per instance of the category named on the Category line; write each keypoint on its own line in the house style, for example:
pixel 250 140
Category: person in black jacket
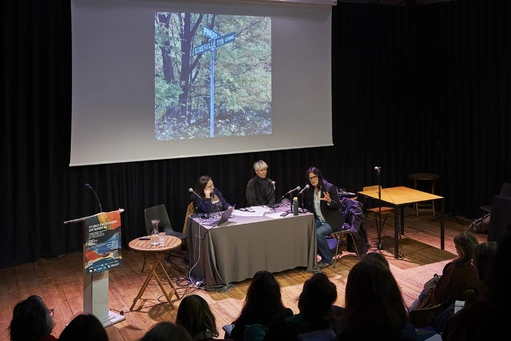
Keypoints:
pixel 260 189
pixel 322 199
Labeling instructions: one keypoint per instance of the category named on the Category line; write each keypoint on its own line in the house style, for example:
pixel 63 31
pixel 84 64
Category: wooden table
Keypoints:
pixel 401 196
pixel 144 246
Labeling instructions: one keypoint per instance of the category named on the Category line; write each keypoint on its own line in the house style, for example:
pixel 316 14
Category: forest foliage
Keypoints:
pixel 242 76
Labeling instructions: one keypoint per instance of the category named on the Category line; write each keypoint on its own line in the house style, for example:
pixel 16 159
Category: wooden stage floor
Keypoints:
pixel 59 281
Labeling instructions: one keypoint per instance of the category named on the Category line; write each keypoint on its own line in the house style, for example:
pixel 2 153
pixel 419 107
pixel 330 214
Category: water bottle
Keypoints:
pixel 295 206
pixel 155 237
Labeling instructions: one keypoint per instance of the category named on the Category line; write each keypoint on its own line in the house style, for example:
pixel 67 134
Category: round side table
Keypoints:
pixel 425 177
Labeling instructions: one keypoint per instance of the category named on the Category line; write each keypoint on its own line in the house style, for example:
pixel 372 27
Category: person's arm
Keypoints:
pixel 225 204
pixel 331 197
pixel 250 193
pixel 204 205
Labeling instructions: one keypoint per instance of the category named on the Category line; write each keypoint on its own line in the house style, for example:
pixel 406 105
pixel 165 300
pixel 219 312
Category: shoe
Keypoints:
pixel 322 265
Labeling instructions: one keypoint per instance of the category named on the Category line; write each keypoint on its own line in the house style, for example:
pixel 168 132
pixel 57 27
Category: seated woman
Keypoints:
pixel 260 189
pixel 374 307
pixel 463 325
pixel 317 312
pixel 84 327
pixel 31 321
pixel 211 199
pixel 195 316
pixel 322 199
pixel 457 276
pixel 166 331
pixel 263 305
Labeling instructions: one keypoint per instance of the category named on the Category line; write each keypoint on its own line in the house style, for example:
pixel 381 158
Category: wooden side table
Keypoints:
pixel 424 177
pixel 144 246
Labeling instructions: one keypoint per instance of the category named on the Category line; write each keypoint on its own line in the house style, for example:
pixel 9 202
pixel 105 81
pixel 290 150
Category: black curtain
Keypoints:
pixel 415 89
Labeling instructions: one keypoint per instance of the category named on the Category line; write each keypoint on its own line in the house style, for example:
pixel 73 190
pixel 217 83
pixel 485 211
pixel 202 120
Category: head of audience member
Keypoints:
pixel 261 168
pixel 317 298
pixel 31 320
pixel 196 317
pixel 314 177
pixel 481 258
pixel 263 298
pixel 373 301
pixel 84 327
pixel 378 257
pixel 166 331
pixel 465 244
pixel 204 183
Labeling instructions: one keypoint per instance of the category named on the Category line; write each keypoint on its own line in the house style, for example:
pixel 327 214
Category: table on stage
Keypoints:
pixel 400 196
pixel 250 242
pixel 145 247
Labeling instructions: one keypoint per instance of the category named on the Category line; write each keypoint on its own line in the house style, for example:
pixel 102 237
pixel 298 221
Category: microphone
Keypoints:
pixel 192 191
pixel 291 191
pixel 377 169
pixel 273 184
pixel 306 187
pixel 93 191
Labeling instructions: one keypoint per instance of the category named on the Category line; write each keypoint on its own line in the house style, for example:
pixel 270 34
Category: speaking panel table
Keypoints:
pixel 250 242
pixel 399 197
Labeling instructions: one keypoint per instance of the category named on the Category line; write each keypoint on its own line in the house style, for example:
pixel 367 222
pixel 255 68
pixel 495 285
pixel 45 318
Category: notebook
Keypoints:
pixel 226 215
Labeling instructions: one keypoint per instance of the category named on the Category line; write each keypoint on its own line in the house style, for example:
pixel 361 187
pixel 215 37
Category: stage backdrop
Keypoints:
pixel 414 89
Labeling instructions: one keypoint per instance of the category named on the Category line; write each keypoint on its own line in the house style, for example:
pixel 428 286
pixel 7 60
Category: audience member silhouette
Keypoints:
pixel 457 276
pixel 166 331
pixel 31 321
pixel 263 304
pixel 84 327
pixel 487 318
pixel 377 256
pixel 316 312
pixel 196 317
pixel 374 307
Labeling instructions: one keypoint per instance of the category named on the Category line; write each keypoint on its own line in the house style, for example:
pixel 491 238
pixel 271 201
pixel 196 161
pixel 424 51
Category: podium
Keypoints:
pixel 101 248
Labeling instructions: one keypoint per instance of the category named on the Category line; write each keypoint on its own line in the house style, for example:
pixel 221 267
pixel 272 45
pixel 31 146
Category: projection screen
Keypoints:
pixel 169 79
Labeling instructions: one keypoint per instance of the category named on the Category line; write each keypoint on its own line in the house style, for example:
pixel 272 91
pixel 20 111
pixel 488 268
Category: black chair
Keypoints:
pixel 160 212
pixel 505 190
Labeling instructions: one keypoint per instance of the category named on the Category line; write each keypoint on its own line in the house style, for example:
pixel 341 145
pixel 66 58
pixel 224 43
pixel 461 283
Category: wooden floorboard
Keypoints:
pixel 59 281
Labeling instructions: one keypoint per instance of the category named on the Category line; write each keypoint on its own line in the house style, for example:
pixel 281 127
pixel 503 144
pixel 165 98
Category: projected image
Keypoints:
pixel 212 76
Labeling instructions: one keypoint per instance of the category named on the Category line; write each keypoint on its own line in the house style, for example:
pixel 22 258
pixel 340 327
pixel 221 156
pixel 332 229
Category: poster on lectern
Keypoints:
pixel 102 242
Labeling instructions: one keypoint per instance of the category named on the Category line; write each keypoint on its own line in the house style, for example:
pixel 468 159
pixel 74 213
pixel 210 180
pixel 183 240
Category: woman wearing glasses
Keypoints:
pixel 211 199
pixel 322 199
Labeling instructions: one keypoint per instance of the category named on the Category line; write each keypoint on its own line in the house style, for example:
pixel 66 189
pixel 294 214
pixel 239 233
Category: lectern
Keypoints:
pixel 101 252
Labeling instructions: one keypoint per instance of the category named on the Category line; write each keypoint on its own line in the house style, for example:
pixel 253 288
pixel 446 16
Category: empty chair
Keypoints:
pixel 385 210
pixel 160 212
pixel 505 190
pixel 189 210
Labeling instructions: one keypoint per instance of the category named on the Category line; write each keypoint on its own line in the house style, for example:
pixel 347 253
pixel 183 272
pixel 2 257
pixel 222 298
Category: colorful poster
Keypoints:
pixel 102 242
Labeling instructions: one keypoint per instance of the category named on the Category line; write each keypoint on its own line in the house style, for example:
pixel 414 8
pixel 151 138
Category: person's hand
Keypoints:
pixel 327 198
pixel 207 193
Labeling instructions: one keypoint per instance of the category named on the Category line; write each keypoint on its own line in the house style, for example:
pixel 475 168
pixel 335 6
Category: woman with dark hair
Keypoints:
pixel 84 327
pixel 316 315
pixel 211 199
pixel 322 199
pixel 263 305
pixel 195 316
pixel 166 331
pixel 457 276
pixel 374 307
pixel 31 321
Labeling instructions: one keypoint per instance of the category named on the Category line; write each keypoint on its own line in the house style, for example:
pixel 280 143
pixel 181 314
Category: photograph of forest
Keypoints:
pixel 213 75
